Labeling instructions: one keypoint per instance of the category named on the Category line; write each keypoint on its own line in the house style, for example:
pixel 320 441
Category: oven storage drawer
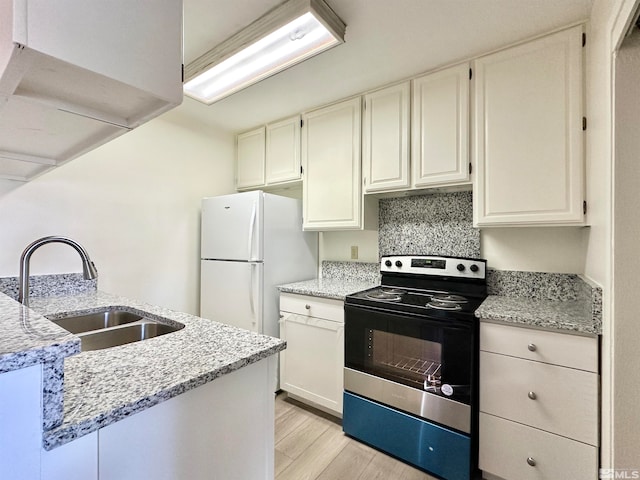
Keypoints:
pixel 318 307
pixel 508 449
pixel 572 351
pixel 428 446
pixel 555 399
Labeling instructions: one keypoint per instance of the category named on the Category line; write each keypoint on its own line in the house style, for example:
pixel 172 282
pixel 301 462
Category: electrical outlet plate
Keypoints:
pixel 354 252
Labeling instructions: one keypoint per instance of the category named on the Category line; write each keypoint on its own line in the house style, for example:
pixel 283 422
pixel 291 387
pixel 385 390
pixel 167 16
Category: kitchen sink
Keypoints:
pixel 96 320
pixel 113 337
pixel 113 326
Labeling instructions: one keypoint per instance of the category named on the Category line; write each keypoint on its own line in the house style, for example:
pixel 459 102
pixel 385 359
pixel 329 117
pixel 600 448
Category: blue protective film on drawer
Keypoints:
pixel 436 449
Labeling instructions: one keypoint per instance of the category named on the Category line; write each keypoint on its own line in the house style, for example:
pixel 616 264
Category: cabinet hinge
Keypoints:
pixel 584 39
pixel 470 168
pixel 470 74
pixel 584 207
pixel 584 123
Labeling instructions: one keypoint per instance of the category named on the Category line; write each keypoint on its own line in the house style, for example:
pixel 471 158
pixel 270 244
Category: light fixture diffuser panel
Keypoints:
pixel 297 39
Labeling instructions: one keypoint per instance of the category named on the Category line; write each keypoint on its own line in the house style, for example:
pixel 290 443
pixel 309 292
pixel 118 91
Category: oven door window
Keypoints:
pixel 429 355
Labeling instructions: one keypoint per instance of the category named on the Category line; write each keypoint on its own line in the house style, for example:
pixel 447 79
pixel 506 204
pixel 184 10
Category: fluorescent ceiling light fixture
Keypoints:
pixel 288 34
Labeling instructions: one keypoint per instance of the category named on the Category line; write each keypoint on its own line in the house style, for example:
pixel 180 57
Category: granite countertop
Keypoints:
pixel 567 316
pixel 28 338
pixel 104 386
pixel 336 288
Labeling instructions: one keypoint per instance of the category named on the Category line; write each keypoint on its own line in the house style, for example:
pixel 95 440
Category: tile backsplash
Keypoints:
pixel 437 224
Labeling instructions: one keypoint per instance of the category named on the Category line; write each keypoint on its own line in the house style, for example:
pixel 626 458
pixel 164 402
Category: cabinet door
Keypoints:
pixel 556 399
pixel 331 195
pixel 440 128
pixel 528 131
pixel 250 154
pixel 514 451
pixel 311 367
pixel 283 151
pixel 385 139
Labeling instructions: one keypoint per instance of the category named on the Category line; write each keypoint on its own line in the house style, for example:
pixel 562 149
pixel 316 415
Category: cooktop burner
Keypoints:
pixel 438 305
pixel 380 294
pixel 448 298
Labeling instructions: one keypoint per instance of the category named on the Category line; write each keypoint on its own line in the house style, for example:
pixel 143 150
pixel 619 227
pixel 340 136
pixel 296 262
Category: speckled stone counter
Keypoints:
pixel 550 301
pixel 336 288
pixel 104 386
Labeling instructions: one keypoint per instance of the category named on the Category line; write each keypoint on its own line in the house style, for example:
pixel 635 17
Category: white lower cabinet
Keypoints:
pixel 514 451
pixel 311 367
pixel 539 400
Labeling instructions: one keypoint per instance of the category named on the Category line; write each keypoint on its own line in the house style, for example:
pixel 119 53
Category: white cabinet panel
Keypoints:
pixel 221 430
pixel 21 422
pixel 440 127
pixel 311 368
pixel 76 459
pixel 283 151
pixel 555 399
pixel 331 160
pixel 385 139
pixel 508 449
pixel 528 131
pixel 572 351
pixel 250 158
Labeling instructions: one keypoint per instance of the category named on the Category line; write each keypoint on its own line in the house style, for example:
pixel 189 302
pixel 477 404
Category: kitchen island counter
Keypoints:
pixel 102 387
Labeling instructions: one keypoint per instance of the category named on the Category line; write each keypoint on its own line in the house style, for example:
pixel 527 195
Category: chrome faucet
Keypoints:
pixel 88 268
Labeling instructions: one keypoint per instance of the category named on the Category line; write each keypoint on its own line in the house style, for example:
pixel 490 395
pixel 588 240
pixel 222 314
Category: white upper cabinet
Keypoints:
pixel 331 194
pixel 283 151
pixel 440 128
pixel 250 159
pixel 76 74
pixel 528 133
pixel 385 139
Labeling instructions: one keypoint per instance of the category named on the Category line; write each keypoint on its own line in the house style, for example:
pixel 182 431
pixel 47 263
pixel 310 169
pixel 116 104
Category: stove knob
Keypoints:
pixel 460 267
pixel 474 268
pixel 398 263
pixel 388 263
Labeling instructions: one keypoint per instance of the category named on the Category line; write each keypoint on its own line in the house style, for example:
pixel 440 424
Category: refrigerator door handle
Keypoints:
pixel 252 223
pixel 253 310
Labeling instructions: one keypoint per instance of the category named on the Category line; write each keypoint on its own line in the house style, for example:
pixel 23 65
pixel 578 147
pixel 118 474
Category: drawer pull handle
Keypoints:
pixel 532 347
pixel 531 461
pixel 532 395
pixel 307 306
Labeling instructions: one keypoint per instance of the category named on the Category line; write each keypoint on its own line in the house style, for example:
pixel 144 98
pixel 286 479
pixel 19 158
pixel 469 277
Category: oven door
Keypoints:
pixel 420 365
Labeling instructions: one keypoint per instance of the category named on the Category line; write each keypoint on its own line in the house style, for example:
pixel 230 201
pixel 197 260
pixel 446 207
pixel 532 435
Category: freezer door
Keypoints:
pixel 232 227
pixel 231 293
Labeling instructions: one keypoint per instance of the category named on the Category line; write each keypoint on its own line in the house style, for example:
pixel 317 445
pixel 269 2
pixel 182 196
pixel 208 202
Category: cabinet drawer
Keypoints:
pixel 550 347
pixel 318 307
pixel 565 401
pixel 505 447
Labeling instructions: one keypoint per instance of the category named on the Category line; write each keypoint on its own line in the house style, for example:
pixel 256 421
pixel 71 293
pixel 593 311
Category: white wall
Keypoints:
pixel 558 250
pixel 626 264
pixel 133 204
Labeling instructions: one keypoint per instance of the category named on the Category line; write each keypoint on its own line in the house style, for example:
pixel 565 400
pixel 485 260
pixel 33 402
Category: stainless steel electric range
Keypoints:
pixel 411 362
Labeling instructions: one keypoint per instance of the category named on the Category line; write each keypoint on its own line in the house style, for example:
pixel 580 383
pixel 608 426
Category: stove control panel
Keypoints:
pixel 428 265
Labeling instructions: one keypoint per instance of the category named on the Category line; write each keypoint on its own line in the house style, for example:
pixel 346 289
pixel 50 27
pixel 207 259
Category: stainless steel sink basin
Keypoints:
pixel 113 326
pixel 113 337
pixel 96 320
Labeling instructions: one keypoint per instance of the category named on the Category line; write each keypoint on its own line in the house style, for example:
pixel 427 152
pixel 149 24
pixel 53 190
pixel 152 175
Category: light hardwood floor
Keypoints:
pixel 310 445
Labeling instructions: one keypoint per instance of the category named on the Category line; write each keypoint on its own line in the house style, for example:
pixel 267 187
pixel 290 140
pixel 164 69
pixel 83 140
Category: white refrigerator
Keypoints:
pixel 251 243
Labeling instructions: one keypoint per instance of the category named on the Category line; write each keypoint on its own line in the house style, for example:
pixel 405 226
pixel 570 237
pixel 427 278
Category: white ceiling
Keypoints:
pixel 386 41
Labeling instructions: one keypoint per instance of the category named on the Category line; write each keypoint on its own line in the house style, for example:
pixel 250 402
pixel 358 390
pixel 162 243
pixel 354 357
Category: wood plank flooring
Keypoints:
pixel 310 445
